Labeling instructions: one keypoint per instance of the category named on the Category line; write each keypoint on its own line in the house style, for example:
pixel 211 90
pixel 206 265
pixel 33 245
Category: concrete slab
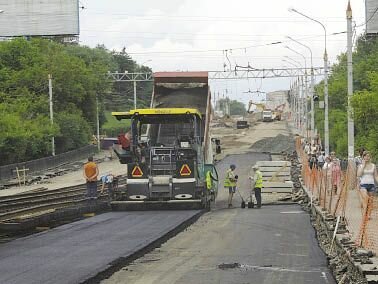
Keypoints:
pixel 372 279
pixel 275 169
pixel 272 184
pixel 277 190
pixel 274 163
pixel 78 251
pixel 272 173
pixel 277 179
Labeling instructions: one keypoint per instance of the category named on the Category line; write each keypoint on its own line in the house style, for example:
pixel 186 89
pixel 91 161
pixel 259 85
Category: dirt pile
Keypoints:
pixel 278 144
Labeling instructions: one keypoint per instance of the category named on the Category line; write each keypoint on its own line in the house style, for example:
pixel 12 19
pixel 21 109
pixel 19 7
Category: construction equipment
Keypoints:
pixel 171 148
pixel 242 124
pixel 267 115
pixel 277 112
pixel 259 107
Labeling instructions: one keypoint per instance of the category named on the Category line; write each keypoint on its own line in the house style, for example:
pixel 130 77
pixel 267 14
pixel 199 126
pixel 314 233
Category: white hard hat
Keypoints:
pixel 255 167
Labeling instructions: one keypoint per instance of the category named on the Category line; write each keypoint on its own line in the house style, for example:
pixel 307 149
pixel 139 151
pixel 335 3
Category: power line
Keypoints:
pixel 228 49
pixel 220 18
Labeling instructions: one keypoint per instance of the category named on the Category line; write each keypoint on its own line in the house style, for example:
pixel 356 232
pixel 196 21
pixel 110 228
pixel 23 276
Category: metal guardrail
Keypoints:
pixel 9 171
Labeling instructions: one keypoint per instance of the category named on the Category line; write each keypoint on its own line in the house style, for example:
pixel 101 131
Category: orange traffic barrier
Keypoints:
pixel 343 197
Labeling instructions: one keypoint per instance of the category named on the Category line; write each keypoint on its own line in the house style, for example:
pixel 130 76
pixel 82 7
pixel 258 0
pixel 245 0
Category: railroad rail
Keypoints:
pixel 27 205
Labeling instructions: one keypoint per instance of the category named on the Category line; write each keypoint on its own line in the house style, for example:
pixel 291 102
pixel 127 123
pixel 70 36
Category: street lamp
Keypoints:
pixel 304 94
pixel 296 63
pixel 312 126
pixel 292 64
pixel 326 124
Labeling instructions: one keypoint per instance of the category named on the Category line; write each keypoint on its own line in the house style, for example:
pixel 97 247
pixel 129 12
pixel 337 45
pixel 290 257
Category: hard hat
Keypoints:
pixel 232 166
pixel 255 167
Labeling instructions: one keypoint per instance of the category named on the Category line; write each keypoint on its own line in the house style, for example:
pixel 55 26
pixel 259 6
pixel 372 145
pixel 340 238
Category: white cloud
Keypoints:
pixel 150 27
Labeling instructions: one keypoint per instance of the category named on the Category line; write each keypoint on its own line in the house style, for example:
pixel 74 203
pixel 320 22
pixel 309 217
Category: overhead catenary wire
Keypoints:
pixel 231 48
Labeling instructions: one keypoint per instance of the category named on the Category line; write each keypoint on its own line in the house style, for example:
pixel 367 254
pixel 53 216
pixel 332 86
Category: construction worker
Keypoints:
pixel 90 174
pixel 108 180
pixel 209 183
pixel 230 183
pixel 257 183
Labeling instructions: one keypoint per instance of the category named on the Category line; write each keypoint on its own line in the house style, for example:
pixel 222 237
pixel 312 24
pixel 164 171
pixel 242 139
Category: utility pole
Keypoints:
pixel 98 125
pixel 135 95
pixel 350 83
pixel 51 113
pixel 326 121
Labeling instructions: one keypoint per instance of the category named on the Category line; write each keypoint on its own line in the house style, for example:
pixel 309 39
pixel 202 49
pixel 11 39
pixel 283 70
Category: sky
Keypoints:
pixel 216 35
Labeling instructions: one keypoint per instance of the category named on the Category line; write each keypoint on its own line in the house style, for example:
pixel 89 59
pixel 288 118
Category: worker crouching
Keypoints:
pixel 257 184
pixel 230 183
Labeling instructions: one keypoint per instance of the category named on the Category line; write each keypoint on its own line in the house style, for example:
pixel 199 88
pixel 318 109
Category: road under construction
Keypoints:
pixel 274 244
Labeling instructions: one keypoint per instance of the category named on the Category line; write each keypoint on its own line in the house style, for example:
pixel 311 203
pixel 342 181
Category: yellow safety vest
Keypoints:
pixel 208 180
pixel 227 181
pixel 259 180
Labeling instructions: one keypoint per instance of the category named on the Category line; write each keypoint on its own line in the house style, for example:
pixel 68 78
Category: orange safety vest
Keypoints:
pixel 90 171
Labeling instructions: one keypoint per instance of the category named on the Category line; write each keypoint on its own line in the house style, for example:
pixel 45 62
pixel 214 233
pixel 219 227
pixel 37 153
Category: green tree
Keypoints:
pixel 364 101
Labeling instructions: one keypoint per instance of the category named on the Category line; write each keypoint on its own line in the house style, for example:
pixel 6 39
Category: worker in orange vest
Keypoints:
pixel 90 174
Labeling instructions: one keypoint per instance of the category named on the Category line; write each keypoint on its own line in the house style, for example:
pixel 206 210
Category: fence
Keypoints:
pixel 339 195
pixel 9 171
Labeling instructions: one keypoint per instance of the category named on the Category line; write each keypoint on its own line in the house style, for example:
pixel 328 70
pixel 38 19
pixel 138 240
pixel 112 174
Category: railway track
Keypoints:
pixel 36 203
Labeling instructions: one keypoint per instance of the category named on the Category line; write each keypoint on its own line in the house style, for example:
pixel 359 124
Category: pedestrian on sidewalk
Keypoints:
pixel 358 160
pixel 367 172
pixel 312 161
pixel 90 174
pixel 230 183
pixel 257 184
pixel 335 172
pixel 321 160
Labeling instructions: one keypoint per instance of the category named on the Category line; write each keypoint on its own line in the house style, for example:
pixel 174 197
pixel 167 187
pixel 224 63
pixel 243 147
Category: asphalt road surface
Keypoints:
pixel 78 251
pixel 274 244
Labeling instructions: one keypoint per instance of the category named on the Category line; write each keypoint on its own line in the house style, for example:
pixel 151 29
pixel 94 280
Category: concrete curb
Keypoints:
pixel 346 265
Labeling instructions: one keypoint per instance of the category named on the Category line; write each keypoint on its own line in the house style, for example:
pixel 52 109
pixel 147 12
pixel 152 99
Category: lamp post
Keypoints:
pixel 312 125
pixel 297 63
pixel 304 94
pixel 51 112
pixel 350 83
pixel 291 63
pixel 326 124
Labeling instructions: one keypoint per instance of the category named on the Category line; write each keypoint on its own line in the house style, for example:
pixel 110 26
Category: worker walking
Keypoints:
pixel 230 183
pixel 90 174
pixel 257 184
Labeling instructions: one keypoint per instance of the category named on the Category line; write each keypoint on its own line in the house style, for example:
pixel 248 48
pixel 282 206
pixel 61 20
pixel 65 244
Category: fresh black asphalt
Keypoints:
pixel 78 251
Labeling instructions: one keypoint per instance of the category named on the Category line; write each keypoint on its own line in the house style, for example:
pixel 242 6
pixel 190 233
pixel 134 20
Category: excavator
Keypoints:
pixel 277 112
pixel 259 107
